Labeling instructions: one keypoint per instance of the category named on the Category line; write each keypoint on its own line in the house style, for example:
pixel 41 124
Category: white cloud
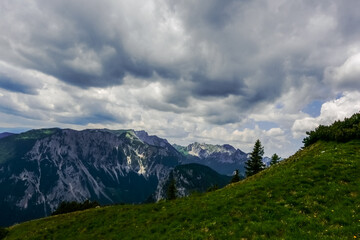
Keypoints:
pixel 347 76
pixel 85 60
pixel 331 111
pixel 301 126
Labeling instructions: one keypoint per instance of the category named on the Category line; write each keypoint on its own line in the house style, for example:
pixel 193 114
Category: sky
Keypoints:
pixel 214 71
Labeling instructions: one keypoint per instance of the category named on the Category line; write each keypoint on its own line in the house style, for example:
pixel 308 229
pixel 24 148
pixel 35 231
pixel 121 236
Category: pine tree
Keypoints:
pixel 171 190
pixel 236 177
pixel 274 159
pixel 255 164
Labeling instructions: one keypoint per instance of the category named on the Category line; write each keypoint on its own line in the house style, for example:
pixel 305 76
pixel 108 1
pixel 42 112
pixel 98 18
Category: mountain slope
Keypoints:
pixel 224 159
pixel 41 168
pixel 196 177
pixel 193 177
pixel 5 134
pixel 312 195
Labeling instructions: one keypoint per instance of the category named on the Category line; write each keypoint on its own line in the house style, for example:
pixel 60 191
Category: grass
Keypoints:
pixel 314 194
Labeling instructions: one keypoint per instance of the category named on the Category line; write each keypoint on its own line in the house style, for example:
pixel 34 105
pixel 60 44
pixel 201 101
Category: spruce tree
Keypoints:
pixel 171 190
pixel 255 164
pixel 274 159
pixel 236 177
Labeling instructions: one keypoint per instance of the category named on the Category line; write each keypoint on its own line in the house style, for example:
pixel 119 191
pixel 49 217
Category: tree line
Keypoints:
pixel 67 207
pixel 340 131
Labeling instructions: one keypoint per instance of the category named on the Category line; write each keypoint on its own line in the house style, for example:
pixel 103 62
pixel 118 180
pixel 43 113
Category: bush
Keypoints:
pixel 67 207
pixel 3 232
pixel 212 188
pixel 340 131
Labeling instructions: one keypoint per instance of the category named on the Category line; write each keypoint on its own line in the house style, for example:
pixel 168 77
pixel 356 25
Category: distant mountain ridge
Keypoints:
pixel 40 168
pixel 5 134
pixel 222 158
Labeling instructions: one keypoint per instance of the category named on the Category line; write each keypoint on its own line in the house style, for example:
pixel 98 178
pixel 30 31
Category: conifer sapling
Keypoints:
pixel 255 164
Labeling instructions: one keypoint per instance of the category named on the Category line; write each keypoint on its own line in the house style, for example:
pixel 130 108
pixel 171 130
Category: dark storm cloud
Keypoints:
pixel 205 87
pixel 349 18
pixel 252 51
pixel 73 42
pixel 10 85
pixel 220 115
pixel 15 80
pixel 214 13
pixel 78 43
pixel 87 60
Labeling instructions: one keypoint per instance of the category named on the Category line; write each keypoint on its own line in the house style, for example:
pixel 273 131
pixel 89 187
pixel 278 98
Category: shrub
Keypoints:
pixel 3 232
pixel 67 207
pixel 212 188
pixel 340 131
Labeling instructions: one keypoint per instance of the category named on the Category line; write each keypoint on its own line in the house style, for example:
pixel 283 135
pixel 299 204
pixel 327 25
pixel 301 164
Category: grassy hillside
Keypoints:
pixel 315 194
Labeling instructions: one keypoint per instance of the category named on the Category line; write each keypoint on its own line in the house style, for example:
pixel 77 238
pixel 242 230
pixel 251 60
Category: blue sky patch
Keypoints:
pixel 314 108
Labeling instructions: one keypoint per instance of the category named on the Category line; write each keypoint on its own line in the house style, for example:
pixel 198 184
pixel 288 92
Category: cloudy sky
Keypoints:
pixel 215 71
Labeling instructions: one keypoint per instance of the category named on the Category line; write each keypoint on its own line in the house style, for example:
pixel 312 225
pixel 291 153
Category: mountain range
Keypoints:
pixel 41 168
pixel 223 158
pixel 313 194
